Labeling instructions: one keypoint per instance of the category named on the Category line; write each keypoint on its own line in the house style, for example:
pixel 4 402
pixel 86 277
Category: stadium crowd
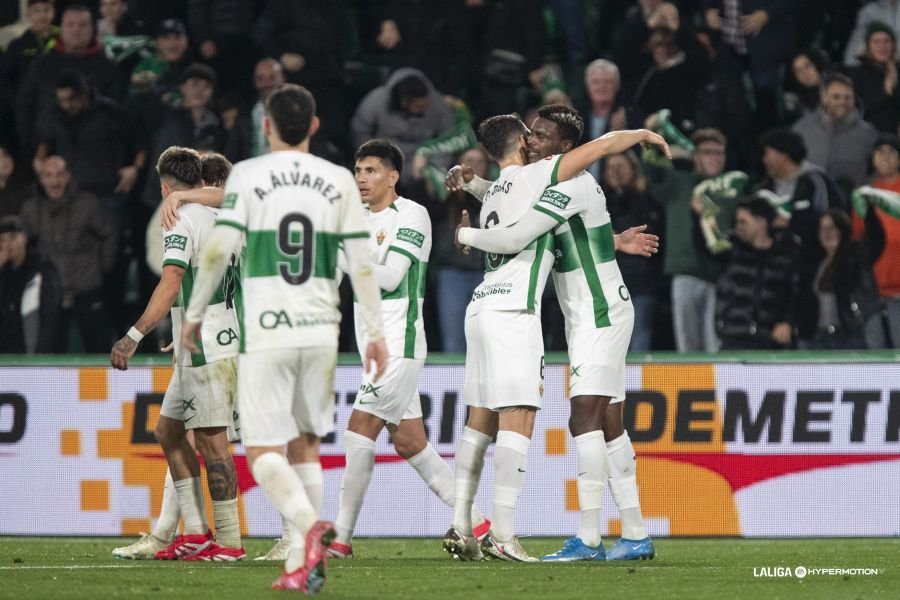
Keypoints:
pixel 779 219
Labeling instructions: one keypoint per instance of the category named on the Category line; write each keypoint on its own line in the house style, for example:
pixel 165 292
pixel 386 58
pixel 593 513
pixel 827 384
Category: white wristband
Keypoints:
pixel 134 334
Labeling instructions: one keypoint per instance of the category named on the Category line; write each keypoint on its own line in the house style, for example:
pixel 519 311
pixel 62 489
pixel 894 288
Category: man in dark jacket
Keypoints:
pixel 72 232
pixel 758 293
pixel 36 41
pixel 29 294
pixel 75 48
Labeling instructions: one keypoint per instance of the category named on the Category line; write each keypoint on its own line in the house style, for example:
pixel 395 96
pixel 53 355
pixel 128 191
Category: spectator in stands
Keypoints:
pixel 835 136
pixel 803 84
pixel 629 205
pixel 604 111
pixel 101 146
pixel 757 37
pixel 693 271
pixel 72 232
pixel 805 190
pixel 513 45
pixel 13 187
pixel 310 39
pixel 758 293
pixel 679 69
pixel 630 38
pixel 35 42
pixel 883 11
pixel 406 110
pixel 267 76
pixel 221 32
pixel 875 79
pixel 123 37
pixel 429 36
pixel 155 81
pixel 457 274
pixel 844 285
pixel 886 164
pixel 74 48
pixel 30 296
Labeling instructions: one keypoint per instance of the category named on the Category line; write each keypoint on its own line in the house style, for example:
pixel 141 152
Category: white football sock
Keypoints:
pixel 436 474
pixel 623 486
pixel 286 492
pixel 314 483
pixel 357 475
pixel 590 450
pixel 169 512
pixel 190 500
pixel 509 472
pixel 468 465
pixel 228 524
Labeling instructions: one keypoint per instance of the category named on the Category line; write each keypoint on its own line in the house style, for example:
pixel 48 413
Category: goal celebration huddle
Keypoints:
pixel 250 275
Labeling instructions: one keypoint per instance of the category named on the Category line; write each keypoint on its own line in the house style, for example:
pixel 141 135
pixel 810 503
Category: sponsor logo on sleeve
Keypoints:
pixel 411 236
pixel 555 199
pixel 176 242
pixel 230 200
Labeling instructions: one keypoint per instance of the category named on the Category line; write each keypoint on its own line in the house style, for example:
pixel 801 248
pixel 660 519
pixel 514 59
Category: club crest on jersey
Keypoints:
pixel 379 236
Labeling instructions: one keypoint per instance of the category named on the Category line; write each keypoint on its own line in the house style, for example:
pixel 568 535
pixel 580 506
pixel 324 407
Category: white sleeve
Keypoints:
pixel 178 243
pixel 224 241
pixel 390 274
pixel 509 240
pixel 362 279
pixel 542 173
pixel 478 187
pixel 235 210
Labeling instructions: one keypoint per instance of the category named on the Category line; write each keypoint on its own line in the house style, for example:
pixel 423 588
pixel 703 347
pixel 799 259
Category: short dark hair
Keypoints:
pixel 832 78
pixel 388 152
pixel 33 2
pixel 72 79
pixel 291 108
pixel 787 142
pixel 406 89
pixel 499 134
pixel 567 119
pixel 180 165
pixel 78 8
pixel 758 207
pixel 214 169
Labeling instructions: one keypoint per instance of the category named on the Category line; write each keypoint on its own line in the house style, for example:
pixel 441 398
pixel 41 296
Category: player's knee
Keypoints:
pixel 212 444
pixel 408 447
pixel 166 434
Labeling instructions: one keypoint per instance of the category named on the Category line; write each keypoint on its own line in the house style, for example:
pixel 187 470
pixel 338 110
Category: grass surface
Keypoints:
pixel 417 569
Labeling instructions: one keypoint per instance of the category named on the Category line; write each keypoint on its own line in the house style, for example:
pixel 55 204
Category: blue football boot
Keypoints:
pixel 574 549
pixel 632 550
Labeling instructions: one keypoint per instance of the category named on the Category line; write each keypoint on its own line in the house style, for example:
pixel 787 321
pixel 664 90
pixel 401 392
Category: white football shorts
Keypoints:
pixel 203 396
pixel 284 392
pixel 504 360
pixel 395 396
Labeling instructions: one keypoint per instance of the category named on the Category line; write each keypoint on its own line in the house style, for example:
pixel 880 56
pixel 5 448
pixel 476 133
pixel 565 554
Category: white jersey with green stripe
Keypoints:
pixel 295 209
pixel 515 281
pixel 588 282
pixel 219 333
pixel 404 228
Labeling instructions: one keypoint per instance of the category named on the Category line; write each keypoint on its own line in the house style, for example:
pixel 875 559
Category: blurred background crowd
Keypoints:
pixel 779 217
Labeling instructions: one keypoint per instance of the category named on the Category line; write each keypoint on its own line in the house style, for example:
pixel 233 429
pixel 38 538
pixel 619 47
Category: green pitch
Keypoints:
pixel 417 569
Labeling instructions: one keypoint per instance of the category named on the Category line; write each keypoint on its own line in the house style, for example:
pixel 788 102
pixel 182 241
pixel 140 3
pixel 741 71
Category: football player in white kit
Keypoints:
pixel 296 210
pixel 599 319
pixel 201 394
pixel 400 244
pixel 504 364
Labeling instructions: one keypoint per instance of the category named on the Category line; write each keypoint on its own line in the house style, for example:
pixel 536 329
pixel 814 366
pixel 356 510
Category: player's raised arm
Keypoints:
pixel 615 142
pixel 207 196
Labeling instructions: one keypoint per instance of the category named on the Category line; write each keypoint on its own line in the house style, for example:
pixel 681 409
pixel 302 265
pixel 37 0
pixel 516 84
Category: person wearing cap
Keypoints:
pixel 36 41
pixel 160 73
pixel 30 294
pixel 875 78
